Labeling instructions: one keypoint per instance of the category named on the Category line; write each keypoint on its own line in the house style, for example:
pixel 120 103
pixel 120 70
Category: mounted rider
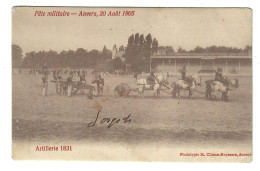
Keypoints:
pixel 151 79
pixel 184 77
pixel 219 77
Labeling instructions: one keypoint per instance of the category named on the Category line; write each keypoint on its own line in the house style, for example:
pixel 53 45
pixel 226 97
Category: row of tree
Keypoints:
pixel 70 58
pixel 216 49
pixel 137 55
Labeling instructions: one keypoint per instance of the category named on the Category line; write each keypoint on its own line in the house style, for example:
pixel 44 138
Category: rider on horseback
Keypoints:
pixel 151 79
pixel 184 77
pixel 219 77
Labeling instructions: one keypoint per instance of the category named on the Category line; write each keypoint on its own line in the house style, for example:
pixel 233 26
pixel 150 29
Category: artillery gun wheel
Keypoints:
pixel 122 90
pixel 74 90
pixel 58 88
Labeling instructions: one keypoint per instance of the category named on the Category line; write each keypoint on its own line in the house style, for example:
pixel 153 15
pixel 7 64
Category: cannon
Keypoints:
pixel 72 87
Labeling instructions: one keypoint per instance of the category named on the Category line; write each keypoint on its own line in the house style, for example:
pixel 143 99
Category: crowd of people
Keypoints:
pixel 68 76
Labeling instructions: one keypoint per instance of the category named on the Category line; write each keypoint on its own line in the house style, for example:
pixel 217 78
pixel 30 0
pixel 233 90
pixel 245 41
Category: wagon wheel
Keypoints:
pixel 127 89
pixel 64 89
pixel 116 91
pixel 61 87
pixel 75 90
pixel 122 90
pixel 58 88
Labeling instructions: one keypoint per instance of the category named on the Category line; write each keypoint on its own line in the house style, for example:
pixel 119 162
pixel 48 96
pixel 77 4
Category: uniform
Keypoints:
pixel 151 79
pixel 184 77
pixel 219 77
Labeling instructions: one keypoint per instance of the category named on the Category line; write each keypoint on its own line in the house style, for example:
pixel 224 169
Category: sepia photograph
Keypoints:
pixel 132 84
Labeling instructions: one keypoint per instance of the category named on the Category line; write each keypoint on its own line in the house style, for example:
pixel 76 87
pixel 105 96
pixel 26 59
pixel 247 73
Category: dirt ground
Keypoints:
pixel 161 120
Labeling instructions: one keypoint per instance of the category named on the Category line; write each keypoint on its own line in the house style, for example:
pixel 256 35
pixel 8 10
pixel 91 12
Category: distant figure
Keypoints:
pixel 99 81
pixel 82 78
pixel 151 79
pixel 70 73
pixel 69 78
pixel 54 76
pixel 135 75
pixel 219 77
pixel 183 73
pixel 45 82
pixel 184 76
pixel 44 69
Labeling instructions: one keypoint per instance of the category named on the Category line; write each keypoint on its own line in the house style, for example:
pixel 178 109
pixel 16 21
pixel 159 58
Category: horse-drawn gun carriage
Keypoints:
pixel 123 89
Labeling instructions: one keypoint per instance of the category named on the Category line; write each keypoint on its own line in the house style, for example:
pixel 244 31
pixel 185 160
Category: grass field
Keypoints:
pixel 161 120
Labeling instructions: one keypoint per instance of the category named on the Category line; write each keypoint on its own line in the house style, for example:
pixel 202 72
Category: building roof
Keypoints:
pixel 201 57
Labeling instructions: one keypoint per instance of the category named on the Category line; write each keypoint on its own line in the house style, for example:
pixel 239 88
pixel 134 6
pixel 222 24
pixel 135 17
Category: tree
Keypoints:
pixel 138 51
pixel 17 55
pixel 198 49
pixel 181 50
pixel 106 54
pixel 154 45
pixel 29 59
pixel 129 54
pixel 147 46
pixel 121 48
pixel 79 57
pixel 136 43
pixel 117 64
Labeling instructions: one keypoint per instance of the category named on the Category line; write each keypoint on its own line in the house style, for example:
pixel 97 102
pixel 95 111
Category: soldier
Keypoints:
pixel 101 79
pixel 82 78
pixel 69 78
pixel 135 75
pixel 219 77
pixel 183 73
pixel 100 83
pixel 151 79
pixel 45 81
pixel 44 68
pixel 184 77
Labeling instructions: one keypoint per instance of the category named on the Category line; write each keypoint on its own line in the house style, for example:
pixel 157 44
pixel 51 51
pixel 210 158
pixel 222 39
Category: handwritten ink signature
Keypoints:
pixel 109 121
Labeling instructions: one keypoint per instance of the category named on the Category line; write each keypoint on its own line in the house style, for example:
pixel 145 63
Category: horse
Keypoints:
pixel 159 81
pixel 213 86
pixel 184 85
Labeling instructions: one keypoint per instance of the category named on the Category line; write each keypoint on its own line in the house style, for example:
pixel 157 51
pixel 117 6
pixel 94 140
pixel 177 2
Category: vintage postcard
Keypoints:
pixel 132 84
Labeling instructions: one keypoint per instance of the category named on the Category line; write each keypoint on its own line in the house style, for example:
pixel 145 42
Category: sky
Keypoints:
pixel 176 27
